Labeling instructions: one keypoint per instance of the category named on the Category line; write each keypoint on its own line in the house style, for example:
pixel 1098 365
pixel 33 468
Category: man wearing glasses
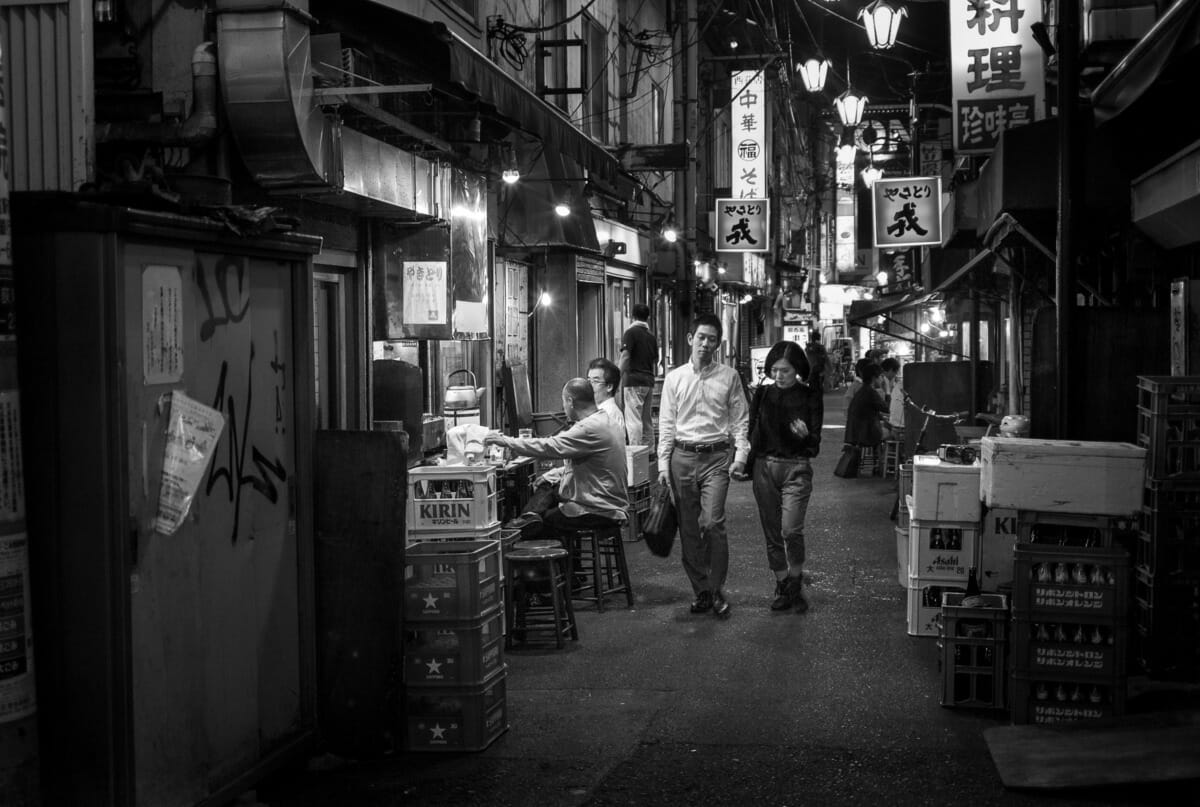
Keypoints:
pixel 604 377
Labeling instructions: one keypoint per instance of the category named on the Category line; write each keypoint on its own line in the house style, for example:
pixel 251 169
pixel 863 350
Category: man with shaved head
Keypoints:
pixel 591 493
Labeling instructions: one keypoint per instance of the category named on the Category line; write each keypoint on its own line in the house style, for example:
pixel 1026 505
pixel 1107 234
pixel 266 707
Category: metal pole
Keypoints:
pixel 686 95
pixel 1068 183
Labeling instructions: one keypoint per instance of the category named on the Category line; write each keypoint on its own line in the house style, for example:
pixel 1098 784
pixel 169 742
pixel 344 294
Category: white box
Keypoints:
pixel 944 491
pixel 942 550
pixel 1063 476
pixel 925 604
pixel 997 540
pixel 637 465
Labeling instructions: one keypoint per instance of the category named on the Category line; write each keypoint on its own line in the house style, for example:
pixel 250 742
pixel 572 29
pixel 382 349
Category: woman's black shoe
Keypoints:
pixel 702 603
pixel 783 600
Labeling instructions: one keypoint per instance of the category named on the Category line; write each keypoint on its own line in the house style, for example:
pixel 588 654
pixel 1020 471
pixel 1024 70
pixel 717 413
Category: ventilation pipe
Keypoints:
pixel 200 126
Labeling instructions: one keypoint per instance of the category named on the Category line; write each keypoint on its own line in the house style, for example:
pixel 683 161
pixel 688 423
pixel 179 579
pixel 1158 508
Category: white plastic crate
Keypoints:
pixel 452 498
pixel 925 604
pixel 944 491
pixel 942 550
pixel 637 465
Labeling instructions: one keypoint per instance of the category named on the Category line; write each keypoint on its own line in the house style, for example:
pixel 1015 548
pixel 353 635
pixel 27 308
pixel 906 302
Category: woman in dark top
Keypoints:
pixel 867 408
pixel 785 434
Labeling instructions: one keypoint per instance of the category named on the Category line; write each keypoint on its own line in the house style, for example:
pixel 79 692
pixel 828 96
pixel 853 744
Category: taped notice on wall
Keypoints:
pixel 12 474
pixel 18 698
pixel 192 434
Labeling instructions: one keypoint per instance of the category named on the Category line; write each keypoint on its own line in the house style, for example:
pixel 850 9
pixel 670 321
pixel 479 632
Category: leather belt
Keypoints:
pixel 702 448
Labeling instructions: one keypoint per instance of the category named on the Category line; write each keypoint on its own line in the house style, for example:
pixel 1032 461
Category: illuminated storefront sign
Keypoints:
pixel 743 225
pixel 748 110
pixel 997 72
pixel 907 211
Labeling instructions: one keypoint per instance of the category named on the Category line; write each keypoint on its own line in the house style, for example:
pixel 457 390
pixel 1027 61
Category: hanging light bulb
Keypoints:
pixel 845 154
pixel 881 278
pixel 870 174
pixel 813 73
pixel 882 23
pixel 670 234
pixel 562 209
pixel 850 107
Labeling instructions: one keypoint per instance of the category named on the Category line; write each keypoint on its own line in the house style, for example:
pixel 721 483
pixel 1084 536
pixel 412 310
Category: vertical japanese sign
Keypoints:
pixel 425 287
pixel 997 72
pixel 749 126
pixel 907 211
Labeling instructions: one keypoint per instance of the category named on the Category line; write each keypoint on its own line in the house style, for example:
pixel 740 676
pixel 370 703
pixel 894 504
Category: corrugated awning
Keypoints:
pixel 963 270
pixel 1175 34
pixel 863 310
pixel 483 78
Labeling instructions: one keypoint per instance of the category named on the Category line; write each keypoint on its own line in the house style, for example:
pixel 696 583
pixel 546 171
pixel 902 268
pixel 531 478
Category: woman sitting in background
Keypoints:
pixel 864 427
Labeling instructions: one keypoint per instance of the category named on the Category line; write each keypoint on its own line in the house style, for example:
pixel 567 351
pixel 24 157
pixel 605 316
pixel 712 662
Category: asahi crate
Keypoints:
pixel 1065 698
pixel 1094 647
pixel 452 498
pixel 452 580
pixel 925 604
pixel 453 653
pixel 468 718
pixel 1055 583
pixel 942 550
pixel 972 635
pixel 902 556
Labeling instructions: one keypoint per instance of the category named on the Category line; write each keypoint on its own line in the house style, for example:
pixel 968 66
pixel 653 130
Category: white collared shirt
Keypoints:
pixel 705 406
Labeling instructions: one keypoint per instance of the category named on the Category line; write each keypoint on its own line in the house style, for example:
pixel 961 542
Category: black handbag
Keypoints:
pixel 847 464
pixel 661 523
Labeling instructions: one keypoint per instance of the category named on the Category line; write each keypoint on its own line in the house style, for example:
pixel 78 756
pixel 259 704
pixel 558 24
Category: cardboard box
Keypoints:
pixel 944 491
pixel 997 541
pixel 637 465
pixel 1064 476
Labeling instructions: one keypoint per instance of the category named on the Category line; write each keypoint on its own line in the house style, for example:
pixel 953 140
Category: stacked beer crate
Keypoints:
pixel 973 638
pixel 1166 584
pixel 943 537
pixel 1072 504
pixel 454 668
pixel 638 473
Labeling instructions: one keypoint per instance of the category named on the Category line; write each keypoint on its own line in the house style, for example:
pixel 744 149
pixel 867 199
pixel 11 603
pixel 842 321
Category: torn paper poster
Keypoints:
pixel 193 430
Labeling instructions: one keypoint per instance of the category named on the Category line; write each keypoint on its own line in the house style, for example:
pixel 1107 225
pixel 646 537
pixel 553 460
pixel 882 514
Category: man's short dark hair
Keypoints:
pixel 612 373
pixel 890 364
pixel 580 391
pixel 712 321
pixel 641 312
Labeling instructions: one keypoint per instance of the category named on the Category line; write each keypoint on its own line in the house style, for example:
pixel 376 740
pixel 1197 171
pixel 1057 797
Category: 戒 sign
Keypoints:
pixel 997 76
pixel 907 211
pixel 748 110
pixel 742 225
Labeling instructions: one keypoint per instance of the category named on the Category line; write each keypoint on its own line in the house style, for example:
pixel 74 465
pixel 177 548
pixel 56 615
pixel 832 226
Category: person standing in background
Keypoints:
pixel 639 354
pixel 703 409
pixel 818 362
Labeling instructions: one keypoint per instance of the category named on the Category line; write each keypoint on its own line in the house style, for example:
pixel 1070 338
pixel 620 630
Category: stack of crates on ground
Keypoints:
pixel 453 646
pixel 1167 557
pixel 903 516
pixel 973 638
pixel 1070 632
pixel 639 472
pixel 943 537
pixel 1075 504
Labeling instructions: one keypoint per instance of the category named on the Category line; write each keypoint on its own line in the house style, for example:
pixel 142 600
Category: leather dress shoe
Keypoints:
pixel 720 605
pixel 702 603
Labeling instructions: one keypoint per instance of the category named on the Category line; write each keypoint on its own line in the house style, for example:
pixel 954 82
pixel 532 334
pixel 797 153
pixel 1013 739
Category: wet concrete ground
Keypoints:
pixel 655 706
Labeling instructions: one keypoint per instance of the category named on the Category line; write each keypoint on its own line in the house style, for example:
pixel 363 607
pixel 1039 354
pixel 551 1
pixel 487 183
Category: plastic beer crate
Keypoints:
pixel 1163 394
pixel 452 498
pixel 1076 646
pixel 1172 443
pixel 1073 529
pixel 942 550
pixel 466 718
pixel 972 635
pixel 925 604
pixel 451 580
pixel 453 653
pixel 1052 583
pixel 493 533
pixel 1065 698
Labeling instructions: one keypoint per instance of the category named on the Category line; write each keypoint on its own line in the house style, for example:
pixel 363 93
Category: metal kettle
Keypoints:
pixel 461 396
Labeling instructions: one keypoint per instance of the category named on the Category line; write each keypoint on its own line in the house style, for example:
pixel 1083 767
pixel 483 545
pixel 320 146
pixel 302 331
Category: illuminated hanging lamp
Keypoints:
pixel 881 20
pixel 813 73
pixel 850 105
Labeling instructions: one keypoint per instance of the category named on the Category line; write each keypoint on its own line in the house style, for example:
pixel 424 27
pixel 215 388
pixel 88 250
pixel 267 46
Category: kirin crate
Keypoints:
pixel 451 580
pixel 452 498
pixel 456 718
pixel 972 635
pixel 1055 583
pixel 454 653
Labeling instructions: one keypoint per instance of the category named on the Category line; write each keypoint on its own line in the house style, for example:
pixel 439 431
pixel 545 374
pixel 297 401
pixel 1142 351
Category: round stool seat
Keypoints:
pixel 537 553
pixel 536 543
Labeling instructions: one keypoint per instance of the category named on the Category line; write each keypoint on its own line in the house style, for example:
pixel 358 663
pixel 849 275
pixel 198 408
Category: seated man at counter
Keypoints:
pixel 591 492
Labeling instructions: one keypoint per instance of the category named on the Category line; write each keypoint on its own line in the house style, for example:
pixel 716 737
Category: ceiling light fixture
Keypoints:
pixel 813 73
pixel 882 23
pixel 562 209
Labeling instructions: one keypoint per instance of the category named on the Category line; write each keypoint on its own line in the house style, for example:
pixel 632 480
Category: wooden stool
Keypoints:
pixel 891 458
pixel 524 616
pixel 867 461
pixel 598 561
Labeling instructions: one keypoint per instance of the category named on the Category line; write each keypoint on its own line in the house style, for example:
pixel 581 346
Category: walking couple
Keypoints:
pixel 703 408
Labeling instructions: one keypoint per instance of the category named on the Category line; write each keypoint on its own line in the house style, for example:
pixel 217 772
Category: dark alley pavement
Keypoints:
pixel 655 706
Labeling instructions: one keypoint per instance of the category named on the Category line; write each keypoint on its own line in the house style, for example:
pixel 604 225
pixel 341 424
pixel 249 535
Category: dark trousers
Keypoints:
pixel 545 504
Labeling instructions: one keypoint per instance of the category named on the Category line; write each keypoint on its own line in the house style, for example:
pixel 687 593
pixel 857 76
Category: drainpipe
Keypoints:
pixel 200 126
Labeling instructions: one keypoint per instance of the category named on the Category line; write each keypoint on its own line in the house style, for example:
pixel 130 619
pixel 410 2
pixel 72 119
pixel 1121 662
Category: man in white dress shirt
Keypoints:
pixel 703 423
